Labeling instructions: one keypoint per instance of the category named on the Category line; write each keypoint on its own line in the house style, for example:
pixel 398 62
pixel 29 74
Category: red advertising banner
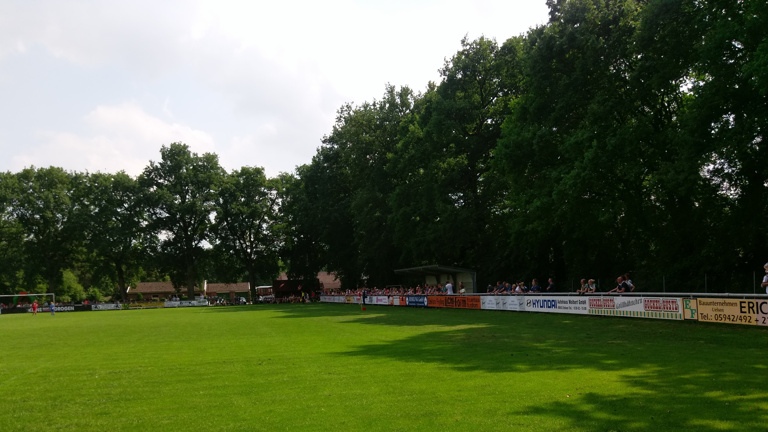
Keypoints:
pixel 473 302
pixel 436 301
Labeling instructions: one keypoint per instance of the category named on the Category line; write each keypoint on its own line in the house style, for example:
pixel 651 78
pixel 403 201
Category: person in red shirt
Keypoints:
pixel 34 307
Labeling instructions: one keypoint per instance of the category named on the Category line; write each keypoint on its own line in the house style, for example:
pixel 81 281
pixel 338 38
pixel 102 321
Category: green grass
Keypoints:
pixel 332 367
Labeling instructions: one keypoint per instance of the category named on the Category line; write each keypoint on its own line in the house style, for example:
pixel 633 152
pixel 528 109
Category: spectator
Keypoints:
pixel 550 286
pixel 535 288
pixel 628 281
pixel 591 286
pixel 583 288
pixel 621 285
pixel 765 278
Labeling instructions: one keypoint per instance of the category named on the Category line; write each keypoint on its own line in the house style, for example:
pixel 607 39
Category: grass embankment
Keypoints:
pixel 332 367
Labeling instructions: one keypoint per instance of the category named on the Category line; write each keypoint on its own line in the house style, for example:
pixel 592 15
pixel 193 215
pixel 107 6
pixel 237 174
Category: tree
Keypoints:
pixel 447 197
pixel 42 205
pixel 11 237
pixel 569 151
pixel 366 136
pixel 301 250
pixel 115 221
pixel 181 203
pixel 727 118
pixel 246 223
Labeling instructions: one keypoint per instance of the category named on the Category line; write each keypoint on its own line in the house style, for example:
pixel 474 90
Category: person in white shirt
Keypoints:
pixel 448 288
pixel 765 278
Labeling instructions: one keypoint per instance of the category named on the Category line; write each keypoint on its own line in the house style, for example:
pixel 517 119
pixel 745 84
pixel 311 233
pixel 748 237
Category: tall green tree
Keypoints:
pixel 301 250
pixel 327 193
pixel 366 136
pixel 42 205
pixel 11 238
pixel 576 172
pixel 246 225
pixel 728 119
pixel 445 207
pixel 182 196
pixel 114 220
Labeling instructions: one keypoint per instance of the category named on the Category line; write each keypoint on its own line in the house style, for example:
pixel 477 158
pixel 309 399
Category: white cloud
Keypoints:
pixel 256 82
pixel 142 35
pixel 120 137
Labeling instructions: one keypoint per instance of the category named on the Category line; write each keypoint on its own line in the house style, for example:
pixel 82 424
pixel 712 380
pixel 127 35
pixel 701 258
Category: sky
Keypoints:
pixel 100 86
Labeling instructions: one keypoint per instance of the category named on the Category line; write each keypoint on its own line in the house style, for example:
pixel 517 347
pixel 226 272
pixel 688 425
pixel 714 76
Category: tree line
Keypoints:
pixel 622 135
pixel 184 219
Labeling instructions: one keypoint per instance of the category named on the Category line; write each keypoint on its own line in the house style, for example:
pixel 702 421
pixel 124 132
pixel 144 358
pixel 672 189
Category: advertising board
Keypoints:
pixel 106 306
pixel 378 300
pixel 333 299
pixel 557 304
pixel 186 303
pixel 436 301
pixel 733 311
pixel 468 302
pixel 416 300
pixel 503 302
pixel 637 307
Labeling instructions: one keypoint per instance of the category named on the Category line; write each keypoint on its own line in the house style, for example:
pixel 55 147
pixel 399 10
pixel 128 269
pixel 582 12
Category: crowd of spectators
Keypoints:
pixel 439 289
pixel 520 287
pixel 587 286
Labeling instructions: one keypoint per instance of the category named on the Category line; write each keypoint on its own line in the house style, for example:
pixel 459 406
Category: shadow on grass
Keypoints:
pixel 679 375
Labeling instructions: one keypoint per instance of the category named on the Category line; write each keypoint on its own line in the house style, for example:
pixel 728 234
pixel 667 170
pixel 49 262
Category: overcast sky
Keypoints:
pixel 102 85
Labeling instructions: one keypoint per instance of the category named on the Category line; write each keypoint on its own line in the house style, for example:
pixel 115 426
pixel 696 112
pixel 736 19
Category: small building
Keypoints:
pixel 231 292
pixel 328 281
pixel 157 291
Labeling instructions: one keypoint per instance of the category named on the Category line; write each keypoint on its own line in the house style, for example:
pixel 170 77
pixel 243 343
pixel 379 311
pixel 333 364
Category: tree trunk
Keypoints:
pixel 252 288
pixel 191 282
pixel 121 282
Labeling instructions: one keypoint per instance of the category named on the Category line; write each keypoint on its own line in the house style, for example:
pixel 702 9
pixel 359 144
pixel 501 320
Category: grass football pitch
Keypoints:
pixel 326 367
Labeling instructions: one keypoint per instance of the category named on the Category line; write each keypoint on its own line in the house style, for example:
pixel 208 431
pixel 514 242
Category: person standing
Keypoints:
pixel 53 309
pixel 550 286
pixel 535 288
pixel 448 287
pixel 628 281
pixel 765 278
pixel 34 308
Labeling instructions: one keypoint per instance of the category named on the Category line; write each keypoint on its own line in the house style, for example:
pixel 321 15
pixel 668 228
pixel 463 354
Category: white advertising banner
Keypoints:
pixel 186 303
pixel 377 300
pixel 511 303
pixel 503 302
pixel 556 304
pixel 106 306
pixel 487 302
pixel 637 307
pixel 332 299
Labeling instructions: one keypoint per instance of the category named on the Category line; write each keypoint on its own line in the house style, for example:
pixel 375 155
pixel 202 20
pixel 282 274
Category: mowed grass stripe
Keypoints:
pixel 333 367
